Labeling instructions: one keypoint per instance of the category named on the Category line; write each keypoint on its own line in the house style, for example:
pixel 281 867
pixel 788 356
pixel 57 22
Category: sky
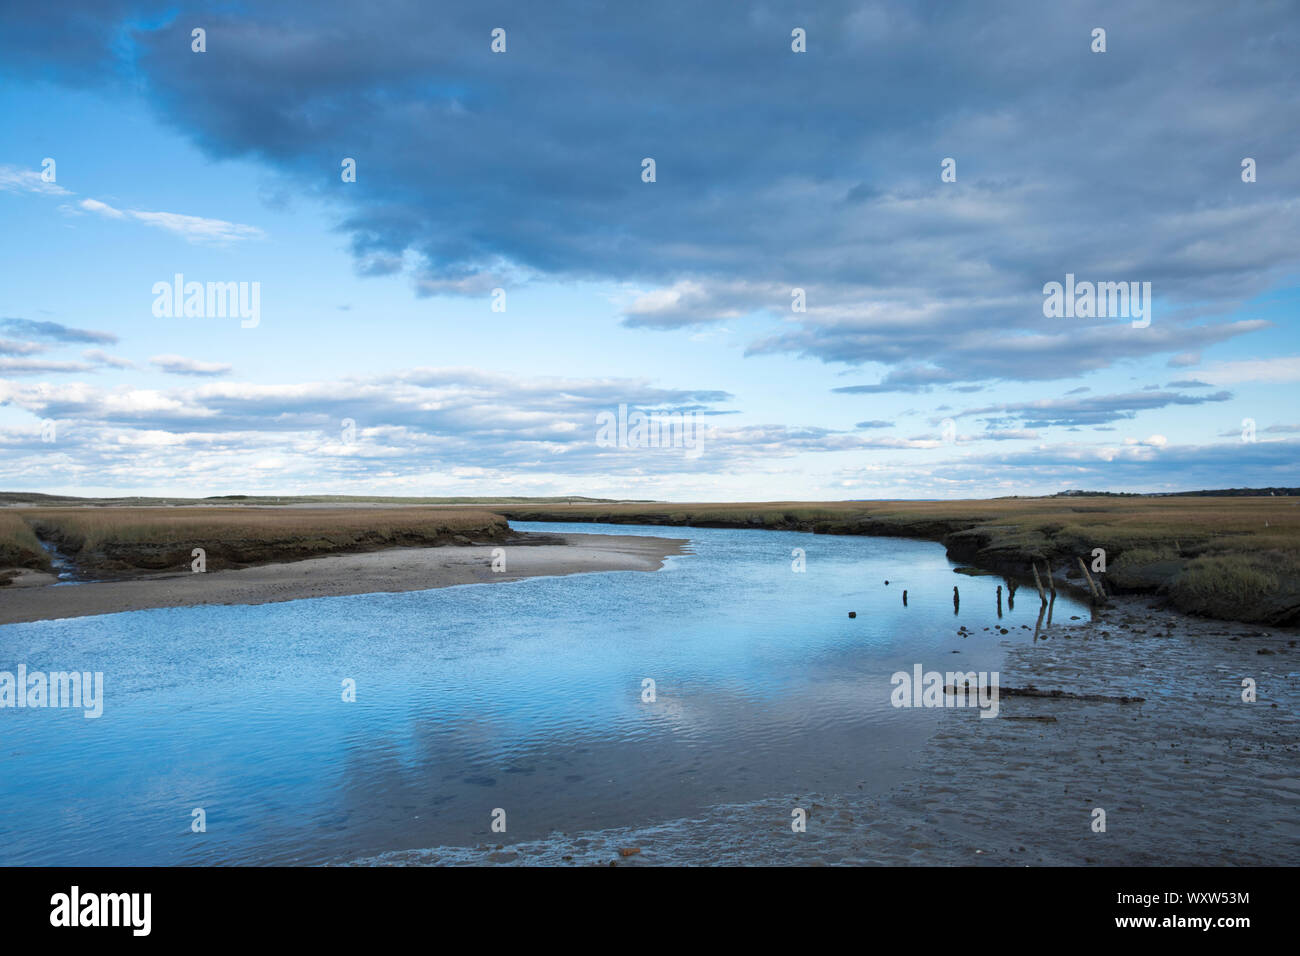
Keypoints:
pixel 500 276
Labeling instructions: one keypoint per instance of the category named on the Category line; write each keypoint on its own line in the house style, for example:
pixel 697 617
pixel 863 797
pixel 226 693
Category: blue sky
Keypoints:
pixel 522 170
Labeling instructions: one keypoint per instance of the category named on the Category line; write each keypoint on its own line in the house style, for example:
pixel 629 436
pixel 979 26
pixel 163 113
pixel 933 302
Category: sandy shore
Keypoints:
pixel 1193 776
pixel 32 598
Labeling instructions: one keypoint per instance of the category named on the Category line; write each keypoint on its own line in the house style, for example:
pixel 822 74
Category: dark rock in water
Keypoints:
pixel 853 613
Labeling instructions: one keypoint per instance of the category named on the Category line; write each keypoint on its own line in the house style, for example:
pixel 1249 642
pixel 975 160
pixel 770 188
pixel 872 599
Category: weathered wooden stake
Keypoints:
pixel 1038 583
pixel 1092 586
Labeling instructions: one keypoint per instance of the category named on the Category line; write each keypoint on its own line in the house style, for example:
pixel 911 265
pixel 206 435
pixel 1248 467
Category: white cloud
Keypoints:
pixel 15 179
pixel 101 357
pixel 190 228
pixel 1273 371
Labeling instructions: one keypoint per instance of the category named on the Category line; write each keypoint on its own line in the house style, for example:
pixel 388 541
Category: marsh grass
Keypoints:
pixel 158 538
pixel 19 547
pixel 1232 557
pixel 1228 580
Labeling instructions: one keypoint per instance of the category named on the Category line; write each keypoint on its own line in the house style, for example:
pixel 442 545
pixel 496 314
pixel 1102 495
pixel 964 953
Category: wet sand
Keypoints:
pixel 34 598
pixel 1193 776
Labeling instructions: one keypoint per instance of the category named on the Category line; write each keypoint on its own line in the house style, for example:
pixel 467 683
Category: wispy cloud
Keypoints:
pixel 179 365
pixel 1281 370
pixel 1093 410
pixel 15 179
pixel 190 228
pixel 55 331
pixel 15 366
pixel 100 357
pixel 9 347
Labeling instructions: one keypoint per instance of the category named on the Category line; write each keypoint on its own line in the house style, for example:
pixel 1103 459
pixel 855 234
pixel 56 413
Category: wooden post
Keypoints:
pixel 1091 584
pixel 1038 583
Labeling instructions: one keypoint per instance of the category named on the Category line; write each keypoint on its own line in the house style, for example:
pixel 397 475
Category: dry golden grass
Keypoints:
pixel 1229 557
pixel 19 547
pixel 1234 557
pixel 156 538
pixel 1117 523
pixel 95 527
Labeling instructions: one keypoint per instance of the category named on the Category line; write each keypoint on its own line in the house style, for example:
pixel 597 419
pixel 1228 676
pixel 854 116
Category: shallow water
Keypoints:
pixel 524 696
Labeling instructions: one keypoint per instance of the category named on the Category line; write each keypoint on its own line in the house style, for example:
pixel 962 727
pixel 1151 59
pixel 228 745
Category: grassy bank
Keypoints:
pixel 1229 558
pixel 1235 558
pixel 19 547
pixel 126 539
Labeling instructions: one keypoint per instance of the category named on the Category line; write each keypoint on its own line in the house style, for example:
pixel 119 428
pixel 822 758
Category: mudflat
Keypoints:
pixel 34 597
pixel 1198 773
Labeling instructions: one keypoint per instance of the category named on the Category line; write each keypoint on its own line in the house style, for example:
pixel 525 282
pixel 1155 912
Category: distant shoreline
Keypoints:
pixel 35 598
pixel 1226 557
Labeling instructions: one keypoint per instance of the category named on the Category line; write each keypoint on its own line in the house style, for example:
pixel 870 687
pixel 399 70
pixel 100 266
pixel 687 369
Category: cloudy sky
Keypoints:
pixel 923 365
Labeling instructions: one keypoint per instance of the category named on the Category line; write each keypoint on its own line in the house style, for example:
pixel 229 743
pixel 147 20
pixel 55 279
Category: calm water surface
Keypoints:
pixel 525 696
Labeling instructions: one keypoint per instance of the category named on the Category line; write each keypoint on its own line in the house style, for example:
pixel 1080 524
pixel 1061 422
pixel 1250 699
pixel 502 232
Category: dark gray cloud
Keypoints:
pixel 774 170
